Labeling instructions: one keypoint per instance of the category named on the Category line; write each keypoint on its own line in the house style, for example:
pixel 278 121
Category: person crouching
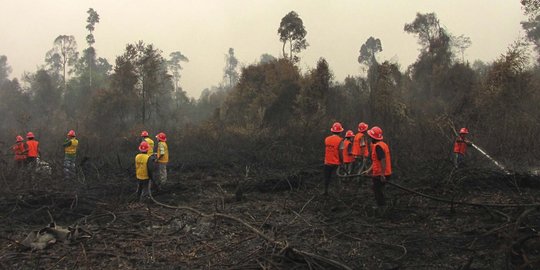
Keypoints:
pixel 144 169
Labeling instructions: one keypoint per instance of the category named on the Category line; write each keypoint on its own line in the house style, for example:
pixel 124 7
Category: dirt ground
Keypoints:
pixel 278 222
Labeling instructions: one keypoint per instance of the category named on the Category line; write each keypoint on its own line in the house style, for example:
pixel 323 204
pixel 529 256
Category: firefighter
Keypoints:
pixel 381 169
pixel 150 142
pixel 144 170
pixel 360 148
pixel 32 149
pixel 162 157
pixel 70 155
pixel 332 157
pixel 346 148
pixel 19 151
pixel 460 147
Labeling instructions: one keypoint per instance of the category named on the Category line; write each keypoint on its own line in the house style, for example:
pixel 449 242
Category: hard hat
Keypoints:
pixel 144 134
pixel 349 134
pixel 19 138
pixel 71 133
pixel 162 137
pixel 29 135
pixel 336 127
pixel 375 133
pixel 463 131
pixel 362 127
pixel 143 147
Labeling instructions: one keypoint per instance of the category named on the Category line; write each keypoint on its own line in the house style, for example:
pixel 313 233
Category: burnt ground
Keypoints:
pixel 293 226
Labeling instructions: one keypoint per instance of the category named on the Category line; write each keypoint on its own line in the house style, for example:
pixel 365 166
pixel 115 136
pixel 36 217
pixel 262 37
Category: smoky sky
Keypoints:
pixel 204 30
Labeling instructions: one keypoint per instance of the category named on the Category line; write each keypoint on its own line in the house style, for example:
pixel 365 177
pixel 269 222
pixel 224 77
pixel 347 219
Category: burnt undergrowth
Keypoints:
pixel 295 226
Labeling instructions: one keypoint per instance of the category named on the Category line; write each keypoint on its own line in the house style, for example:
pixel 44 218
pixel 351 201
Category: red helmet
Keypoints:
pixel 144 134
pixel 143 147
pixel 71 133
pixel 349 134
pixel 336 127
pixel 29 135
pixel 19 138
pixel 362 127
pixel 375 133
pixel 162 137
pixel 463 131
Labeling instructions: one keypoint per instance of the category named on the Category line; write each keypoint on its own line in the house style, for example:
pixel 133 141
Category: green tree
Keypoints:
pixel 368 57
pixel 312 100
pixel 431 35
pixel 12 99
pixel 5 69
pixel 154 86
pixel 387 107
pixel 62 56
pixel 266 58
pixel 291 30
pixel 435 56
pixel 531 7
pixel 90 53
pixel 174 64
pixel 264 96
pixel 230 74
pixel 461 43
pixel 369 50
pixel 45 91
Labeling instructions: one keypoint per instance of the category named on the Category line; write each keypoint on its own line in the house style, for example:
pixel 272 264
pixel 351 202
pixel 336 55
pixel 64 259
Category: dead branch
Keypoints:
pixel 283 245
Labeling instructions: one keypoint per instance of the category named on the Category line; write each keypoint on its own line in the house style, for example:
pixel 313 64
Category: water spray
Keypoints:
pixel 490 158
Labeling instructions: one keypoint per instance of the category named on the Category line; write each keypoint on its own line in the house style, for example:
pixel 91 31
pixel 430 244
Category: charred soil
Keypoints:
pixel 223 220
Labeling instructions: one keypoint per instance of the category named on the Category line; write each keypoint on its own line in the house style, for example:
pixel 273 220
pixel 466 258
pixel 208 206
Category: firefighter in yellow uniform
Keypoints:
pixel 162 157
pixel 70 156
pixel 150 142
pixel 143 170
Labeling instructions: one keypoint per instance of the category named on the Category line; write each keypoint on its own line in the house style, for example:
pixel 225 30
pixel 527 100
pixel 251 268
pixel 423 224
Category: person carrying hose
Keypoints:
pixel 460 148
pixel 381 168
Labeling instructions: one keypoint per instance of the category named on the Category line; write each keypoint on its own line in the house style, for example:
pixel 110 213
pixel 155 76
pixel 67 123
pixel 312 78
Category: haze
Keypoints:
pixel 204 30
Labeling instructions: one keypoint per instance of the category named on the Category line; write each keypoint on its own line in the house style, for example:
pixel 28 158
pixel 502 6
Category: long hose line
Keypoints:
pixel 461 202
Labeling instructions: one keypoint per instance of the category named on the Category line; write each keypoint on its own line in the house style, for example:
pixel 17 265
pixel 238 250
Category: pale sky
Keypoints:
pixel 204 30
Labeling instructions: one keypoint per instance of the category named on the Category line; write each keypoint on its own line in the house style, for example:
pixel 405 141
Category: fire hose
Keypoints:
pixel 490 158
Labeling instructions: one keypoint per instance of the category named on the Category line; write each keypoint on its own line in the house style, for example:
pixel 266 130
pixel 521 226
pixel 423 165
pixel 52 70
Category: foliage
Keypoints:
pixel 5 69
pixel 62 56
pixel 369 50
pixel 175 58
pixel 291 30
pixel 92 20
pixel 273 114
pixel 230 72
pixel 263 97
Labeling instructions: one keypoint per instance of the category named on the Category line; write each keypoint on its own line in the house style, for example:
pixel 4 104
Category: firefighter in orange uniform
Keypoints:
pixel 332 157
pixel 346 148
pixel 19 151
pixel 360 148
pixel 32 148
pixel 381 169
pixel 460 147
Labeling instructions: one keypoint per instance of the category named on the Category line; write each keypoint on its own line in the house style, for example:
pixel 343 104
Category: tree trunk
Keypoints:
pixel 143 103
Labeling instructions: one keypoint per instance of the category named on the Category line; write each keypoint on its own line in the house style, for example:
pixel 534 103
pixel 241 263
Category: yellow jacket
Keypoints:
pixel 150 144
pixel 70 147
pixel 162 152
pixel 141 166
